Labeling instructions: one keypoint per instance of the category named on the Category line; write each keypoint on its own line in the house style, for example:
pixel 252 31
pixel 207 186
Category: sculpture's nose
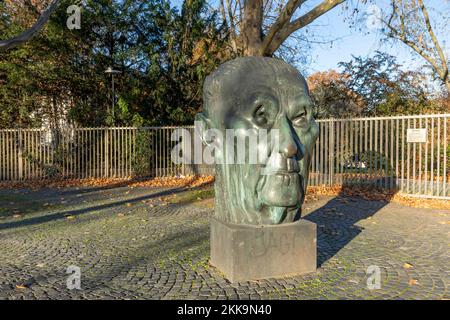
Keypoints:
pixel 289 145
pixel 289 149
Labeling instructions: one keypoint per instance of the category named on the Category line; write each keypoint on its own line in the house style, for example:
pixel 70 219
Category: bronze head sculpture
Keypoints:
pixel 261 93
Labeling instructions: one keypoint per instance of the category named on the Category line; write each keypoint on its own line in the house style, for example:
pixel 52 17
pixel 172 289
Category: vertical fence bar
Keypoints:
pixel 419 180
pixel 338 151
pixel 20 155
pixel 350 152
pixel 376 153
pixel 426 159
pixel 342 161
pixel 391 164
pixel 107 152
pixel 163 153
pixel 408 161
pixel 331 152
pixel 446 146
pixel 432 158
pixel 325 157
pixel 414 175
pixel 321 154
pixel 438 158
pixel 386 154
pixel 347 152
pixel 382 154
pixel 2 156
pixel 397 147
pixel 360 150
pixel 316 160
pixel 403 156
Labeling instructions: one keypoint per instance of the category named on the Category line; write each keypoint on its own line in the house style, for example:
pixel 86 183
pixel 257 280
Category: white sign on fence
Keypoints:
pixel 416 135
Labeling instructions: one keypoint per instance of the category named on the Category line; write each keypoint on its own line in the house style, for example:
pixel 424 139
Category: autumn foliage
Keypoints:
pixel 368 193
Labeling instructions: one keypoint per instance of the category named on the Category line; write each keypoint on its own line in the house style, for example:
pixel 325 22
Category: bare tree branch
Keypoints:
pixel 444 72
pixel 31 32
pixel 300 22
pixel 412 45
pixel 407 30
pixel 284 17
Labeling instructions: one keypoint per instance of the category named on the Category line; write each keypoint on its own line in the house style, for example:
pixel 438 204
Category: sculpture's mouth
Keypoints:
pixel 280 195
pixel 287 178
pixel 281 189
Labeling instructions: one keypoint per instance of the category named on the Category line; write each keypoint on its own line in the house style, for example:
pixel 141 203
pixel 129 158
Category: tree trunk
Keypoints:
pixel 252 28
pixel 253 41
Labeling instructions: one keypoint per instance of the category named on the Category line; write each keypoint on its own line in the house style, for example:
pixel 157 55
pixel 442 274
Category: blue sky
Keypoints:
pixel 350 41
pixel 363 43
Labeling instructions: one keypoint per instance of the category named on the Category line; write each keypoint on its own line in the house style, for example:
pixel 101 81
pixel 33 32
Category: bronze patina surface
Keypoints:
pixel 261 93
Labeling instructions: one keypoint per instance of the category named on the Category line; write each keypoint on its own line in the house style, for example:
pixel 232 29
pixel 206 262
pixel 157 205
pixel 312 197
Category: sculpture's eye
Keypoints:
pixel 265 112
pixel 261 116
pixel 300 120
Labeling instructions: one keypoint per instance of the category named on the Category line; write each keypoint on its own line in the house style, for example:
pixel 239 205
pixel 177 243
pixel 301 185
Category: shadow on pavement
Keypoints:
pixel 337 222
pixel 62 214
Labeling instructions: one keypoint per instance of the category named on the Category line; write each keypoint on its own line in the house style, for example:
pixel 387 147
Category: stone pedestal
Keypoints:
pixel 245 252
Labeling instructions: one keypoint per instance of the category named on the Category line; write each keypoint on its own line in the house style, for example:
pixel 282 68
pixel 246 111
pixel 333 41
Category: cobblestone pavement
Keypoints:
pixel 131 243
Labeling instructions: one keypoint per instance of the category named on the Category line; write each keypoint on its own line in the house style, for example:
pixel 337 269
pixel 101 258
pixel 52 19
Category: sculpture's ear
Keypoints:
pixel 202 123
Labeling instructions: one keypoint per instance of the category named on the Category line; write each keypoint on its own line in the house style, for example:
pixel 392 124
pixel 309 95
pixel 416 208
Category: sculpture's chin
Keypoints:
pixel 280 190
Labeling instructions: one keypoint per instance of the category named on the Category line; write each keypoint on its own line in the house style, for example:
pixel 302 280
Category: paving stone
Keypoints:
pixel 162 252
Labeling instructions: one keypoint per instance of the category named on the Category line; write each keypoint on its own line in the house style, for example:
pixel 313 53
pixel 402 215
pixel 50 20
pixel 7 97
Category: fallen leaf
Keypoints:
pixel 20 286
pixel 180 181
pixel 128 204
pixel 413 282
pixel 121 215
pixel 70 217
pixel 407 265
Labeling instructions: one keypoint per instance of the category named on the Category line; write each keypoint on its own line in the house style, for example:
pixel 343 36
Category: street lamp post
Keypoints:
pixel 111 71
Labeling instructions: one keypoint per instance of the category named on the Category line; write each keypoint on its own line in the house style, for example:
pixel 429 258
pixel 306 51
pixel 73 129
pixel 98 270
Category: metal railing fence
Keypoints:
pixel 376 151
pixel 369 151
